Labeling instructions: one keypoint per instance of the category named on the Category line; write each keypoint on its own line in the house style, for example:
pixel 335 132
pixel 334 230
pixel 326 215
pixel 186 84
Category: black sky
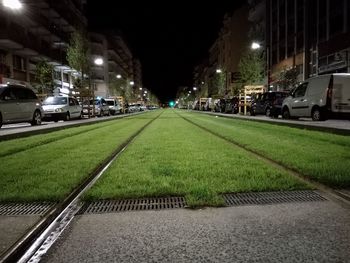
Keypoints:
pixel 169 38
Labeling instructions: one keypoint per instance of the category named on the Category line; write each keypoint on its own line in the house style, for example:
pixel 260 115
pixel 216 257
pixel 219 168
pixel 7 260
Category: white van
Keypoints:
pixel 319 97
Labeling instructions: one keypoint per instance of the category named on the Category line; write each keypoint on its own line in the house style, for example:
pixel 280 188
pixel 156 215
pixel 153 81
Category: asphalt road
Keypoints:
pixel 294 232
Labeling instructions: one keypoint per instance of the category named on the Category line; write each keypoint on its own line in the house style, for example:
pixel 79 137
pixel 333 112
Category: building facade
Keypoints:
pixel 310 36
pixel 39 31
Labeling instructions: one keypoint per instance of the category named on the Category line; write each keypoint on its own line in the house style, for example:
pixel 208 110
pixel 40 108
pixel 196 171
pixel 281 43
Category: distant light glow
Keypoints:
pixel 140 88
pixel 218 70
pixel 98 61
pixel 132 83
pixel 256 45
pixel 12 4
pixel 145 91
pixel 171 104
pixel 119 76
pixel 194 88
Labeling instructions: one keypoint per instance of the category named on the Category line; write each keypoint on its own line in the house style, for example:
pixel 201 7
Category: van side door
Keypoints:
pixel 299 103
pixel 10 108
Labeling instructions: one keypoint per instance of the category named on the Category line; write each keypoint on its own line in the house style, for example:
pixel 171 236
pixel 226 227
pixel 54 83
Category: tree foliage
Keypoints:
pixel 78 55
pixel 288 78
pixel 44 75
pixel 251 67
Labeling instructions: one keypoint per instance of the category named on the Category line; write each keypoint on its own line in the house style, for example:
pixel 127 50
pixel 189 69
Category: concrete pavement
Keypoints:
pixel 331 125
pixel 294 232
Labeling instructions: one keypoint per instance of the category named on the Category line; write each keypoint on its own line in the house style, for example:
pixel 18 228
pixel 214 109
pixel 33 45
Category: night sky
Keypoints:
pixel 169 38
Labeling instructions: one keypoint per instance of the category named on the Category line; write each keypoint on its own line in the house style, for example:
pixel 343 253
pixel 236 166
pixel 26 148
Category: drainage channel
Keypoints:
pixel 231 199
pixel 34 244
pixel 332 194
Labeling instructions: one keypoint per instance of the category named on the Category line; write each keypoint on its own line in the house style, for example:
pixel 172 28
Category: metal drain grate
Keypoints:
pixel 24 209
pixel 263 198
pixel 111 206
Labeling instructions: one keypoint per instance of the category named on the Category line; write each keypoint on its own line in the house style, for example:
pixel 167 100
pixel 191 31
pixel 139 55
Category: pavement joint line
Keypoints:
pixel 34 238
pixel 327 191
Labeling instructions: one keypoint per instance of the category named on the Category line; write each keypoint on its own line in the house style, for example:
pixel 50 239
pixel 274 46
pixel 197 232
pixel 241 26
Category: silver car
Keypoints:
pixel 61 108
pixel 19 104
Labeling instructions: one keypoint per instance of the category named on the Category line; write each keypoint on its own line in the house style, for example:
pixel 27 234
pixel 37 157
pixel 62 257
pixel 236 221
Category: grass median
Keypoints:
pixel 323 157
pixel 50 171
pixel 172 157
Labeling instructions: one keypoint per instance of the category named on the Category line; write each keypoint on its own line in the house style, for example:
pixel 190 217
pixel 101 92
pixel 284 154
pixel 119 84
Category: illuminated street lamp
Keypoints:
pixel 12 4
pixel 194 88
pixel 119 76
pixel 98 61
pixel 140 88
pixel 255 45
pixel 218 70
pixel 132 83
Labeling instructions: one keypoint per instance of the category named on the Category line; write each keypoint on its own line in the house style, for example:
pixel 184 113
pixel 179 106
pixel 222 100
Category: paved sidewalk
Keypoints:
pixel 335 126
pixel 295 232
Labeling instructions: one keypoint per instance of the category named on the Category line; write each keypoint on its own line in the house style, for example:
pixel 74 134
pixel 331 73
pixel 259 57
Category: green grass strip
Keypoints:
pixel 23 144
pixel 49 172
pixel 321 156
pixel 173 157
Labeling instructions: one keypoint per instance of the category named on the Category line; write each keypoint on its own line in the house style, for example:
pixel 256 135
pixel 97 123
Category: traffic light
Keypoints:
pixel 171 104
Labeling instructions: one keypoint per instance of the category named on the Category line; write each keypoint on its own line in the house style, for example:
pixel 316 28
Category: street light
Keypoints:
pixel 98 61
pixel 255 45
pixel 132 83
pixel 140 88
pixel 12 4
pixel 218 70
pixel 194 88
pixel 119 76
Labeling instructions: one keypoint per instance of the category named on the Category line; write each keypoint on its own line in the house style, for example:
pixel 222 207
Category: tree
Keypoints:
pixel 43 74
pixel 78 58
pixel 288 78
pixel 251 67
pixel 220 82
pixel 116 85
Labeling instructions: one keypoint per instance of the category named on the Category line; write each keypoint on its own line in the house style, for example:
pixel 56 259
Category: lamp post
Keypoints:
pixel 255 46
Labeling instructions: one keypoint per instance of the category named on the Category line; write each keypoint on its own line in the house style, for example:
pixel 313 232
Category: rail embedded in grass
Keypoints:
pixel 173 157
pixel 322 157
pixel 49 172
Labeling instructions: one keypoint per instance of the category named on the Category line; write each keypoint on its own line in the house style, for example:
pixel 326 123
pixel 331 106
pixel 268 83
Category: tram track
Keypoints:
pixel 38 239
pixel 329 192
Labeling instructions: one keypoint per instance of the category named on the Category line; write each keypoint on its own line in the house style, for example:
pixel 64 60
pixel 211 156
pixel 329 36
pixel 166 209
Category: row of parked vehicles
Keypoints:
pixel 319 97
pixel 20 104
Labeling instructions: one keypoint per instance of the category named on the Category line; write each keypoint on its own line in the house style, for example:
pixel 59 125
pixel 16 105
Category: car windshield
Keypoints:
pixel 55 101
pixel 110 102
pixel 92 102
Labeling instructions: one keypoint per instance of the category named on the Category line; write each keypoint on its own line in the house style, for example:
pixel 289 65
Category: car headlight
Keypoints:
pixel 59 110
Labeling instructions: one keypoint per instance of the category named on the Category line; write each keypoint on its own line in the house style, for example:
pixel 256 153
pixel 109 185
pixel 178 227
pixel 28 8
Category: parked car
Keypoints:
pixel 19 104
pixel 268 103
pixel 101 107
pixel 114 106
pixel 231 105
pixel 61 108
pixel 319 98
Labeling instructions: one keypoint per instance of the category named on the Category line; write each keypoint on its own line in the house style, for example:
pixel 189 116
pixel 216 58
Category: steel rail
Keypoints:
pixel 331 193
pixel 26 246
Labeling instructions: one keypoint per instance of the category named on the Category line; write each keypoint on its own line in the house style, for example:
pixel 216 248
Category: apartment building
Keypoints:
pixel 224 55
pixel 39 30
pixel 311 36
